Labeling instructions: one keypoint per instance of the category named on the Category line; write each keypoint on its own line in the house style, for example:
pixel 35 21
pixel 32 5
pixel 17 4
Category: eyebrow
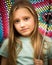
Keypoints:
pixel 22 17
pixel 16 20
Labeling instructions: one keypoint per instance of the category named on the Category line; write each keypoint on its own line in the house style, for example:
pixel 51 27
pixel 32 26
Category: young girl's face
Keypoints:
pixel 24 21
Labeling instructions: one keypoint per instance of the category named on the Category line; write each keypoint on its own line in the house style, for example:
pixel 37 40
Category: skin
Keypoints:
pixel 4 61
pixel 24 21
pixel 24 24
pixel 38 62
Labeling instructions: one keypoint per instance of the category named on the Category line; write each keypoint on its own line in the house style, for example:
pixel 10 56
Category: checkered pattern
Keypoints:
pixel 41 7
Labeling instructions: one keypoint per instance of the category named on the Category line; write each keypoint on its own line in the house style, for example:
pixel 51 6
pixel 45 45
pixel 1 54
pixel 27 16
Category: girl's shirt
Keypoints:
pixel 25 57
pixel 47 49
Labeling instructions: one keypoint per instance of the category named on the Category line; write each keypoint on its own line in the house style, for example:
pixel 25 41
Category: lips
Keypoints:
pixel 24 30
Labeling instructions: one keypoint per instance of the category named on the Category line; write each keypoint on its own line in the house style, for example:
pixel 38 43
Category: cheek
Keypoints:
pixel 32 23
pixel 32 26
pixel 16 27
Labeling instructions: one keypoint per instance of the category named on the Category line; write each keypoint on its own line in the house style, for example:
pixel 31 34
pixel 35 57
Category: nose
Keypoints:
pixel 22 23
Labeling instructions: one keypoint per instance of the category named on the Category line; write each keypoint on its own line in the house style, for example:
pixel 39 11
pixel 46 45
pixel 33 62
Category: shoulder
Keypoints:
pixel 4 48
pixel 48 39
pixel 5 42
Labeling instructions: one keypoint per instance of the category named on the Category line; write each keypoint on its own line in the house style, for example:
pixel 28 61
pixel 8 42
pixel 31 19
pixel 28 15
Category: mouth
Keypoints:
pixel 24 30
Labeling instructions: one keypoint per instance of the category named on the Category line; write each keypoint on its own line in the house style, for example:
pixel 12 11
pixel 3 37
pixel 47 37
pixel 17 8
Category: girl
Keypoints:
pixel 25 45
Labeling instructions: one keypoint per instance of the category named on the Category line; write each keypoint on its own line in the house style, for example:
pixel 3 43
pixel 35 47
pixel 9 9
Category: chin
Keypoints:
pixel 26 35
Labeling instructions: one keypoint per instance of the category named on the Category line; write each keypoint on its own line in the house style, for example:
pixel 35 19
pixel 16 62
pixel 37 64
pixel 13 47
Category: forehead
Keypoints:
pixel 21 12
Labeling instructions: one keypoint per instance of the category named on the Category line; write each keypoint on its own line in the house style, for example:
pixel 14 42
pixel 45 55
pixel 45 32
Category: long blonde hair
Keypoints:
pixel 13 34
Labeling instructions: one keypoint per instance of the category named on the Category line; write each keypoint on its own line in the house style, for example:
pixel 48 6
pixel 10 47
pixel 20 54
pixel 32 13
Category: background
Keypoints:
pixel 44 11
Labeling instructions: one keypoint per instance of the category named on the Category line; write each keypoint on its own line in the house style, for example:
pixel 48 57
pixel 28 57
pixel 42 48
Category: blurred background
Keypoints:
pixel 44 11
